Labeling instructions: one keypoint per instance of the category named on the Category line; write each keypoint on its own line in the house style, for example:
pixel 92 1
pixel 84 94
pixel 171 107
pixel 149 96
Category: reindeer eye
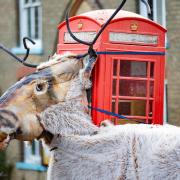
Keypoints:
pixel 39 87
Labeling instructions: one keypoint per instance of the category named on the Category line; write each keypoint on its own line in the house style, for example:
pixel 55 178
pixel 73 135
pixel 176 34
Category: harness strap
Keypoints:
pixel 113 114
pixel 153 53
pixel 131 53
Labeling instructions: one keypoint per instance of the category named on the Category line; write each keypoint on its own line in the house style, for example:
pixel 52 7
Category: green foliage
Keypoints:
pixel 5 169
pixel 3 161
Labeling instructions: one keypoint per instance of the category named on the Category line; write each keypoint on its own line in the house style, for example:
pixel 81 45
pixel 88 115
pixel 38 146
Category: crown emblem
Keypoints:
pixel 134 27
pixel 80 25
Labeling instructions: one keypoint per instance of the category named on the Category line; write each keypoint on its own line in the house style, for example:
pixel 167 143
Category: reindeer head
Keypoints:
pixel 22 103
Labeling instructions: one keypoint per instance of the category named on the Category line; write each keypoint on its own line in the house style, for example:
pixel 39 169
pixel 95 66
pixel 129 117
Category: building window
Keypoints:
pixel 35 153
pixel 35 156
pixel 32 152
pixel 158 12
pixel 30 25
pixel 30 20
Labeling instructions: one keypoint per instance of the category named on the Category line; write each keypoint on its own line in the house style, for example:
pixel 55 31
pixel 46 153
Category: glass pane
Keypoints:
pixel 150 108
pixel 26 1
pixel 29 22
pixel 36 22
pixel 152 70
pixel 115 67
pixel 33 147
pixel 124 107
pixel 133 69
pixel 150 121
pixel 159 11
pixel 151 89
pixel 132 107
pixel 132 88
pixel 114 86
pixel 113 109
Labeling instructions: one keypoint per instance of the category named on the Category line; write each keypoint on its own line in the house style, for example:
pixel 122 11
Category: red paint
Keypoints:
pixel 139 79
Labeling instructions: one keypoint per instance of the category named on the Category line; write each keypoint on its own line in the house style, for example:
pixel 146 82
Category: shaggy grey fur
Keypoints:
pixel 124 152
pixel 68 119
pixel 143 152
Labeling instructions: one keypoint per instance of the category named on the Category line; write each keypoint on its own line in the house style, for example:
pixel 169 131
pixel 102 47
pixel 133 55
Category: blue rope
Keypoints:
pixel 130 53
pixel 107 112
pixel 111 114
pixel 154 53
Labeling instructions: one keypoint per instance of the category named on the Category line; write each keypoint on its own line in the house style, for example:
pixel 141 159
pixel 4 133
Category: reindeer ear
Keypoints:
pixel 41 87
pixel 85 73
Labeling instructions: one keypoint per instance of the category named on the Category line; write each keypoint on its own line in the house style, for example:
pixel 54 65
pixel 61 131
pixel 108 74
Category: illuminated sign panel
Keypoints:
pixel 133 38
pixel 84 36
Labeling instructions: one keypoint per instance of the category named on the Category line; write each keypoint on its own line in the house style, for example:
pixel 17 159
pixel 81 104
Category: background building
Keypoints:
pixel 39 19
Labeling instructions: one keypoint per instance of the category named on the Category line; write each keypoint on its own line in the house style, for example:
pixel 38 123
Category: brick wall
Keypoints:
pixel 173 60
pixel 8 24
pixel 131 5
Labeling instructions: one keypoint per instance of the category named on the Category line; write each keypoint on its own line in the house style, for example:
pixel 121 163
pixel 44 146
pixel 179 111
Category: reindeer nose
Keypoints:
pixel 8 121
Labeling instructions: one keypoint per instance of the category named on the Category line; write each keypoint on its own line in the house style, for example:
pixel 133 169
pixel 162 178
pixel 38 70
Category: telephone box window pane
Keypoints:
pixel 152 70
pixel 150 121
pixel 124 108
pixel 115 62
pixel 150 108
pixel 114 86
pixel 132 107
pixel 113 106
pixel 151 89
pixel 132 88
pixel 133 69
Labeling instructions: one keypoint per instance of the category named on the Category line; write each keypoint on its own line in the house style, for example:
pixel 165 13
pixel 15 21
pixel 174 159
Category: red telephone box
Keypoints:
pixel 128 78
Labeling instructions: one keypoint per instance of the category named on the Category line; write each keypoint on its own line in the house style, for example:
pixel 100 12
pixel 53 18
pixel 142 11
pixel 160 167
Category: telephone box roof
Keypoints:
pixel 101 16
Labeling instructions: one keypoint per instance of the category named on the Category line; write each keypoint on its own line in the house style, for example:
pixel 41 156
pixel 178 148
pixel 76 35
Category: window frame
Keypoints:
pixel 30 156
pixel 144 12
pixel 37 161
pixel 23 29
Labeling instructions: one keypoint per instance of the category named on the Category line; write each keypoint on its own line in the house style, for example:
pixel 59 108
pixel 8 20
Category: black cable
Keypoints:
pixel 16 57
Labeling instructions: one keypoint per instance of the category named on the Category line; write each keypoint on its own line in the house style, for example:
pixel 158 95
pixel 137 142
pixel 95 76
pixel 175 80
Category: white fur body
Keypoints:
pixel 125 152
pixel 81 150
pixel 143 152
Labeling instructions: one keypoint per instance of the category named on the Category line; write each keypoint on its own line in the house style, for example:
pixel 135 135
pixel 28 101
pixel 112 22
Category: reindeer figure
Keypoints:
pixel 48 86
pixel 48 104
